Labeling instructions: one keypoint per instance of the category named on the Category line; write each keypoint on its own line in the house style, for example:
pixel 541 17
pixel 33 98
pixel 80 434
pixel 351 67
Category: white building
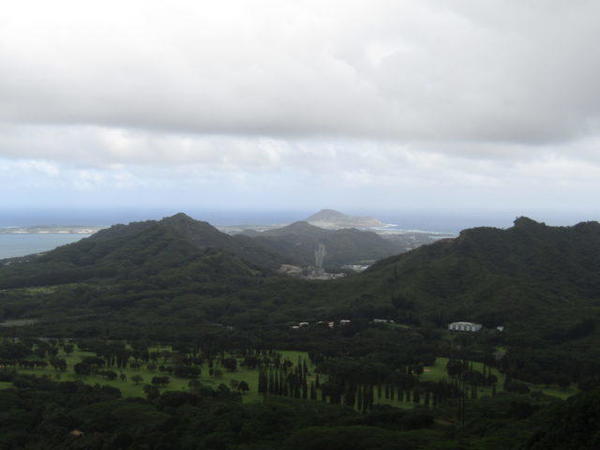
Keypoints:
pixel 464 326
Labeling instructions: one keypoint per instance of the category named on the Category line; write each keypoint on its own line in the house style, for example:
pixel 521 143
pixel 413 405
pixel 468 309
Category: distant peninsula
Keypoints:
pixel 52 229
pixel 330 218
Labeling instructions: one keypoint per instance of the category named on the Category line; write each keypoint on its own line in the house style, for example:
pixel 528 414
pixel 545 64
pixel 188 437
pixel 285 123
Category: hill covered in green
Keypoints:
pixel 174 246
pixel 492 275
pixel 299 241
pixel 530 276
pixel 182 282
pixel 541 283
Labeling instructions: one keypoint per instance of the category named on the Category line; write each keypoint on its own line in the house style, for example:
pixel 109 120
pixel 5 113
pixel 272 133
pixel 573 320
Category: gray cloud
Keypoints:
pixel 412 70
pixel 284 98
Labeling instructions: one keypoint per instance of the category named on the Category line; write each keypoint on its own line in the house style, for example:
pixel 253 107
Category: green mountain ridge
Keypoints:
pixel 493 275
pixel 540 282
pixel 138 250
pixel 529 254
pixel 171 276
pixel 487 275
pixel 129 290
pixel 299 240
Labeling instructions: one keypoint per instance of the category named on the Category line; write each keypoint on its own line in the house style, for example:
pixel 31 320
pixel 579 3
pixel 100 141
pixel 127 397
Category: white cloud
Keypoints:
pixel 411 70
pixel 466 97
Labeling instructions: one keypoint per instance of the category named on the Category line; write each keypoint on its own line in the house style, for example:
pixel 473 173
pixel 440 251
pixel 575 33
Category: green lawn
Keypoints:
pixel 40 290
pixel 18 323
pixel 130 389
pixel 555 391
pixel 438 372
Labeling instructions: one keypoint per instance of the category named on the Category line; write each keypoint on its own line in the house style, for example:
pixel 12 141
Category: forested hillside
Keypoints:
pixel 299 241
pixel 541 283
pixel 531 277
pixel 181 282
pixel 495 276
pixel 174 246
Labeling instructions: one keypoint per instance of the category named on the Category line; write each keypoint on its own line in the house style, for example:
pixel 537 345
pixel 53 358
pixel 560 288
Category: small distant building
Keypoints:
pixel 331 324
pixel 345 322
pixel 295 327
pixel 303 324
pixel 465 326
pixel 500 329
pixel 383 321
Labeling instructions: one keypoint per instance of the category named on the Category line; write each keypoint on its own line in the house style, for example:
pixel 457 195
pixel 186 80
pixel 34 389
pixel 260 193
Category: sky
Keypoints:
pixel 371 105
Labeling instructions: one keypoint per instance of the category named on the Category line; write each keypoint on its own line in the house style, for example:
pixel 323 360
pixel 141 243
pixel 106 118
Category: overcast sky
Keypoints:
pixel 301 104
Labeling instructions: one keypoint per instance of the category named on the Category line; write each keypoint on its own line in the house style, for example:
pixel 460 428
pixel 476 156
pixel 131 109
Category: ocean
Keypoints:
pixel 408 219
pixel 12 245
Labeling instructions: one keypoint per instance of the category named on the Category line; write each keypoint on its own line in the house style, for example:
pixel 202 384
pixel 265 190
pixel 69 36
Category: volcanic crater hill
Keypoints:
pixel 530 274
pixel 299 241
pixel 329 218
pixel 140 249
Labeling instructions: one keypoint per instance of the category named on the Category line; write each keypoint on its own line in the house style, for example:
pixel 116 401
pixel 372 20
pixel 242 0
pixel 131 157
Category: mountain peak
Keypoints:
pixel 297 228
pixel 300 225
pixel 330 218
pixel 327 214
pixel 526 222
pixel 179 217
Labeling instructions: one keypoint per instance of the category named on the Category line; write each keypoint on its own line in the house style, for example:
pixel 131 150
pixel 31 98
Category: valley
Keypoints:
pixel 175 307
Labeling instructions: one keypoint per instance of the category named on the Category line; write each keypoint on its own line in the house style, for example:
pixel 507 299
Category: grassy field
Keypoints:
pixel 438 372
pixel 555 391
pixel 18 323
pixel 129 389
pixel 41 290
